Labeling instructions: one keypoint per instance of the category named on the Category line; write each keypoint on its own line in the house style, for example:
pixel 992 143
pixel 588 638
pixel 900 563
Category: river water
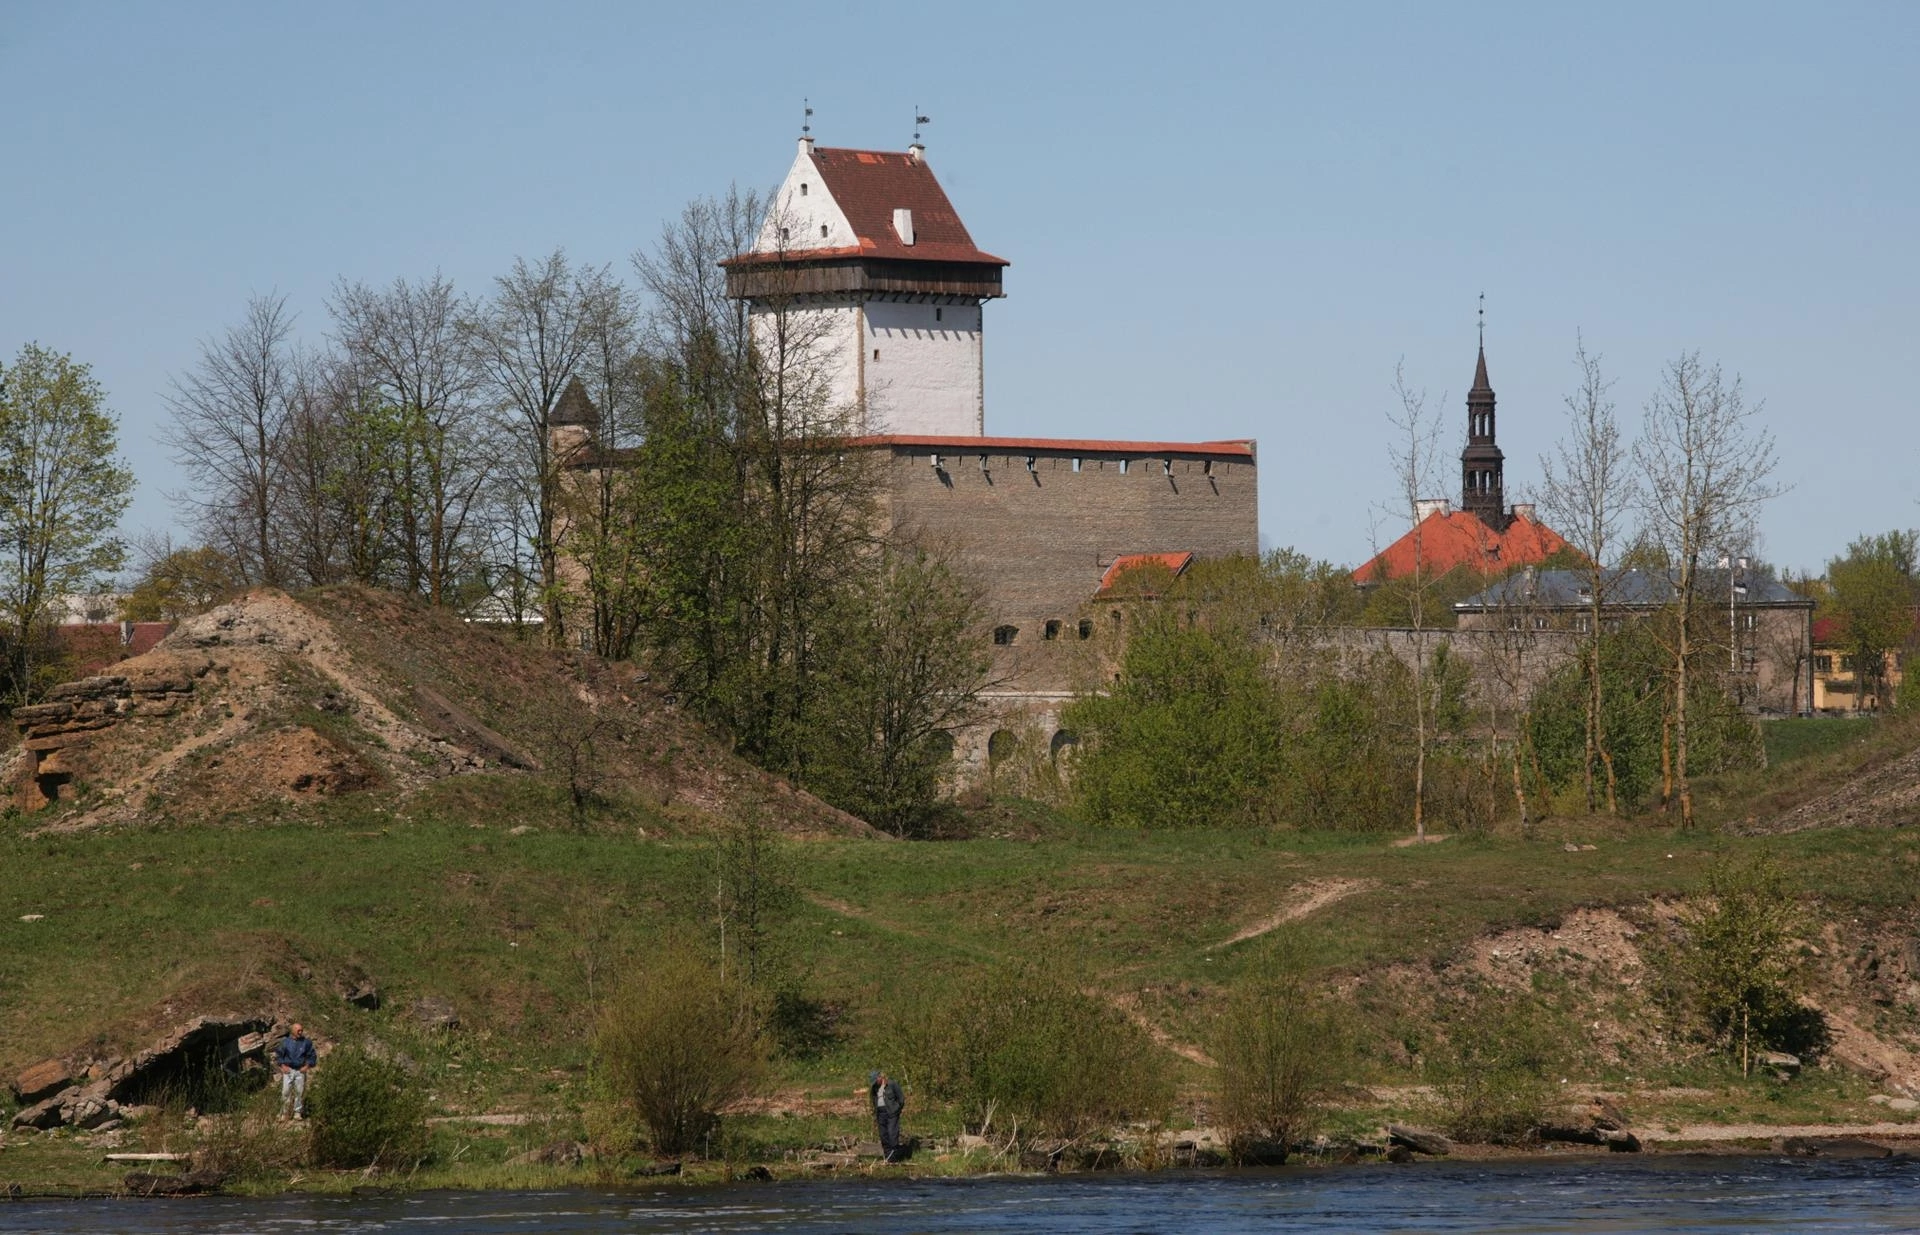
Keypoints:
pixel 1719 1195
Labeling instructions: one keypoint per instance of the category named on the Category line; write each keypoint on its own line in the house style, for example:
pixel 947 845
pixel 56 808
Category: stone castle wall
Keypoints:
pixel 1037 540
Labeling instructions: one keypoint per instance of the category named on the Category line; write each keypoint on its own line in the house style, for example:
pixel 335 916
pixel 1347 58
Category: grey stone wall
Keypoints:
pixel 1036 542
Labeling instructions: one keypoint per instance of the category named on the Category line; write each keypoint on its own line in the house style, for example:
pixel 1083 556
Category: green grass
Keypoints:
pixel 1801 737
pixel 140 928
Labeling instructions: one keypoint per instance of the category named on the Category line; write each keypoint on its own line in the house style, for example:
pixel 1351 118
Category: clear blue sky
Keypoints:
pixel 1224 221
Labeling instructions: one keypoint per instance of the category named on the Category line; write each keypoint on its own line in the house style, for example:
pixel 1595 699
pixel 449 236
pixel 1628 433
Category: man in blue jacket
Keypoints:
pixel 294 1057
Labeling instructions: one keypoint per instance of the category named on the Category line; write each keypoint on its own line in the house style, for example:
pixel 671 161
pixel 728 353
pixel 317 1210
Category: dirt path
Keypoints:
pixel 1761 1132
pixel 1308 898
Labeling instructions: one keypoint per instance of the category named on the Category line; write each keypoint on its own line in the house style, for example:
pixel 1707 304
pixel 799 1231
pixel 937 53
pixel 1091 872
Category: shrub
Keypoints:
pixel 247 1143
pixel 1186 734
pixel 1281 1052
pixel 1734 974
pixel 1029 1049
pixel 1497 1070
pixel 366 1112
pixel 680 1043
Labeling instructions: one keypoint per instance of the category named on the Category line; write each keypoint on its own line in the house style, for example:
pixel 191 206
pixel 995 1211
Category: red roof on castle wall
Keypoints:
pixel 1173 562
pixel 976 445
pixel 869 185
pixel 1443 542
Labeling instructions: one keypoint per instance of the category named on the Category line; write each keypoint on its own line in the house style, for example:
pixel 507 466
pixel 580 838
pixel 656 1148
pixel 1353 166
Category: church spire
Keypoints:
pixel 1482 463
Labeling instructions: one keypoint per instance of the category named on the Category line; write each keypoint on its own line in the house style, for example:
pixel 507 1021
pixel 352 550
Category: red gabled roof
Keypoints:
pixel 962 445
pixel 868 186
pixel 1445 541
pixel 1176 563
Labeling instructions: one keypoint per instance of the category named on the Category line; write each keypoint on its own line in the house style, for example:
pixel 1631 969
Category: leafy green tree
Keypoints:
pixel 1875 594
pixel 1735 972
pixel 62 490
pixel 1190 732
pixel 1635 672
pixel 178 583
pixel 905 660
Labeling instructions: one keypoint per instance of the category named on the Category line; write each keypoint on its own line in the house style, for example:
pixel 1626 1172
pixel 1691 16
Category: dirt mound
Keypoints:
pixel 273 699
pixel 1875 797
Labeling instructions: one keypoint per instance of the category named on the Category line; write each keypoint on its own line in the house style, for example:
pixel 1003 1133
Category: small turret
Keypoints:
pixel 574 424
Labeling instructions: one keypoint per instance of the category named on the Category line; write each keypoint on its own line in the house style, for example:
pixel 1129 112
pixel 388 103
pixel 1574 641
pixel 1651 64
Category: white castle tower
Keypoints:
pixel 863 257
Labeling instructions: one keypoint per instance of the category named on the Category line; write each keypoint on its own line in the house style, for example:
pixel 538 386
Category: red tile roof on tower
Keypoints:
pixel 868 186
pixel 1445 540
pixel 1175 563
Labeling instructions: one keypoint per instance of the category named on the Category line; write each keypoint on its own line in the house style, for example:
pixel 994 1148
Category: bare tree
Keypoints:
pixel 1588 490
pixel 531 338
pixel 1416 435
pixel 604 538
pixel 230 413
pixel 405 342
pixel 1708 467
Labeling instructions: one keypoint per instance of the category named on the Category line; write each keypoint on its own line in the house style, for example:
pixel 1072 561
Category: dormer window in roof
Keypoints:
pixel 903 224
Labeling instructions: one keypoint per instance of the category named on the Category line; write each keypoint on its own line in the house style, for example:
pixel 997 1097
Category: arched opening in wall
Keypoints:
pixel 1052 630
pixel 1062 745
pixel 1000 747
pixel 1086 628
pixel 1003 636
pixel 940 744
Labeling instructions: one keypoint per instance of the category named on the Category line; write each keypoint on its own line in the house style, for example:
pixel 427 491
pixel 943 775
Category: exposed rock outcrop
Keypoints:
pixel 58 734
pixel 115 1088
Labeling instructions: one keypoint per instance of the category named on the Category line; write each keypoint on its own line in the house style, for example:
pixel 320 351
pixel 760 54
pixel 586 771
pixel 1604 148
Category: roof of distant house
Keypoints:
pixel 1127 563
pixel 1629 589
pixel 868 186
pixel 96 645
pixel 1448 539
pixel 1831 631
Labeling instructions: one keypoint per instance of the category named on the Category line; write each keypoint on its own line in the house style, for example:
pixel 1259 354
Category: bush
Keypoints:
pixel 1028 1049
pixel 1186 735
pixel 1281 1052
pixel 680 1043
pixel 1497 1071
pixel 366 1112
pixel 1734 974
pixel 247 1143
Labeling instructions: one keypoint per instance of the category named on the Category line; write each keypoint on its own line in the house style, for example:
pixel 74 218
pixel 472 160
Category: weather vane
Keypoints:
pixel 1483 319
pixel 919 120
pixel 806 121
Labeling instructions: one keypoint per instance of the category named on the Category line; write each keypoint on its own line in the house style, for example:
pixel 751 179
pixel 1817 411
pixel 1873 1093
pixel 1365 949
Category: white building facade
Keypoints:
pixel 865 279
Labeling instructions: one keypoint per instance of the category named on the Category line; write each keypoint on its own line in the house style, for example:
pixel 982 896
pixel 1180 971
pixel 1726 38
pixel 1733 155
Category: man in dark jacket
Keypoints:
pixel 884 1093
pixel 294 1058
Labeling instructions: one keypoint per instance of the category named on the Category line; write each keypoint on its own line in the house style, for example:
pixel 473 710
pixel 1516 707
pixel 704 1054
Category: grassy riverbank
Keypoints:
pixel 481 893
